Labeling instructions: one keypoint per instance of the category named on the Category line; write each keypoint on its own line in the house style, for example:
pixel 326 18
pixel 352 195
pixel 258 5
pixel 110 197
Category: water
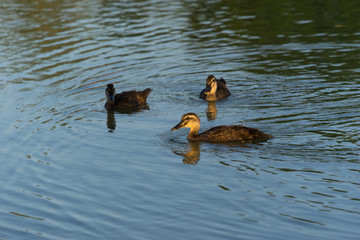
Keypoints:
pixel 71 170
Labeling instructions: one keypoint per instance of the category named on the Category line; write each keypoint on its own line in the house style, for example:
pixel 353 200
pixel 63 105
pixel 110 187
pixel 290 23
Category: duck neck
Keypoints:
pixel 213 87
pixel 211 95
pixel 194 132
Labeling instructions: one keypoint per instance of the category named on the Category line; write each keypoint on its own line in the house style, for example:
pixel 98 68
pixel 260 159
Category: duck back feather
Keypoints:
pixel 222 90
pixel 231 133
pixel 131 98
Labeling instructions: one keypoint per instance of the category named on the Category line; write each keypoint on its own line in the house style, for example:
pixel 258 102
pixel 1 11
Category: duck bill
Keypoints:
pixel 179 125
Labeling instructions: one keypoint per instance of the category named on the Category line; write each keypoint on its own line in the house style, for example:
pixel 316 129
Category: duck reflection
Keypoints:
pixel 211 111
pixel 111 120
pixel 191 155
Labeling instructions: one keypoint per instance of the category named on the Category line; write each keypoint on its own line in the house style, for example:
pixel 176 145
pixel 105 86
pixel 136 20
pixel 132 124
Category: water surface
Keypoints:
pixel 72 170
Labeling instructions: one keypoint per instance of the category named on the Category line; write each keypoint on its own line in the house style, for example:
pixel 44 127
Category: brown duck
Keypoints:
pixel 215 89
pixel 126 99
pixel 220 133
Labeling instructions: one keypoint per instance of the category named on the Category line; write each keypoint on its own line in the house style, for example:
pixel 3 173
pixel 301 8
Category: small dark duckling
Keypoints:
pixel 215 89
pixel 220 133
pixel 127 99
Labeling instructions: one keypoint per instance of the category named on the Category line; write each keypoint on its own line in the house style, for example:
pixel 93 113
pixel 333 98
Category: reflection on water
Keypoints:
pixel 211 111
pixel 191 155
pixel 190 150
pixel 26 216
pixel 111 121
pixel 294 73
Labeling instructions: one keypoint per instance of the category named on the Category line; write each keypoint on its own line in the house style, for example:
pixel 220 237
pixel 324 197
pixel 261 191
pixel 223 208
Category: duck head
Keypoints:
pixel 110 93
pixel 210 79
pixel 189 120
pixel 211 85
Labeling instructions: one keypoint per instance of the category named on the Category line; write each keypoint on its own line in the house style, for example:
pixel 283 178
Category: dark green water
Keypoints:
pixel 72 170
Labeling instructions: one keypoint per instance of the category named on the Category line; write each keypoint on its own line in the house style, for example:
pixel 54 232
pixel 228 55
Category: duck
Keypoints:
pixel 126 99
pixel 215 89
pixel 234 133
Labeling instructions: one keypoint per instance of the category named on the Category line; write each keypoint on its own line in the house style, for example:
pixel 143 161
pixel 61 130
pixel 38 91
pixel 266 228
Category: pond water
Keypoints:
pixel 72 170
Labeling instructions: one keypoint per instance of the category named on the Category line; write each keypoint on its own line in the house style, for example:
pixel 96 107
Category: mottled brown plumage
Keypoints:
pixel 126 99
pixel 220 133
pixel 215 89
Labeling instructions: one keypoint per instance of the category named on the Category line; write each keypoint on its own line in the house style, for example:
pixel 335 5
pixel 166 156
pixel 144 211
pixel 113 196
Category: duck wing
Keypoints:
pixel 222 90
pixel 131 98
pixel 202 94
pixel 232 133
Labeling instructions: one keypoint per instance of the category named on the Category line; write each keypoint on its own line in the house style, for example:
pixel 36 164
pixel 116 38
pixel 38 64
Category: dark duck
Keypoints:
pixel 221 133
pixel 215 89
pixel 126 99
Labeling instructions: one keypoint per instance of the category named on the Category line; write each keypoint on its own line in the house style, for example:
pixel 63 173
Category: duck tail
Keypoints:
pixel 267 136
pixel 222 80
pixel 259 134
pixel 146 92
